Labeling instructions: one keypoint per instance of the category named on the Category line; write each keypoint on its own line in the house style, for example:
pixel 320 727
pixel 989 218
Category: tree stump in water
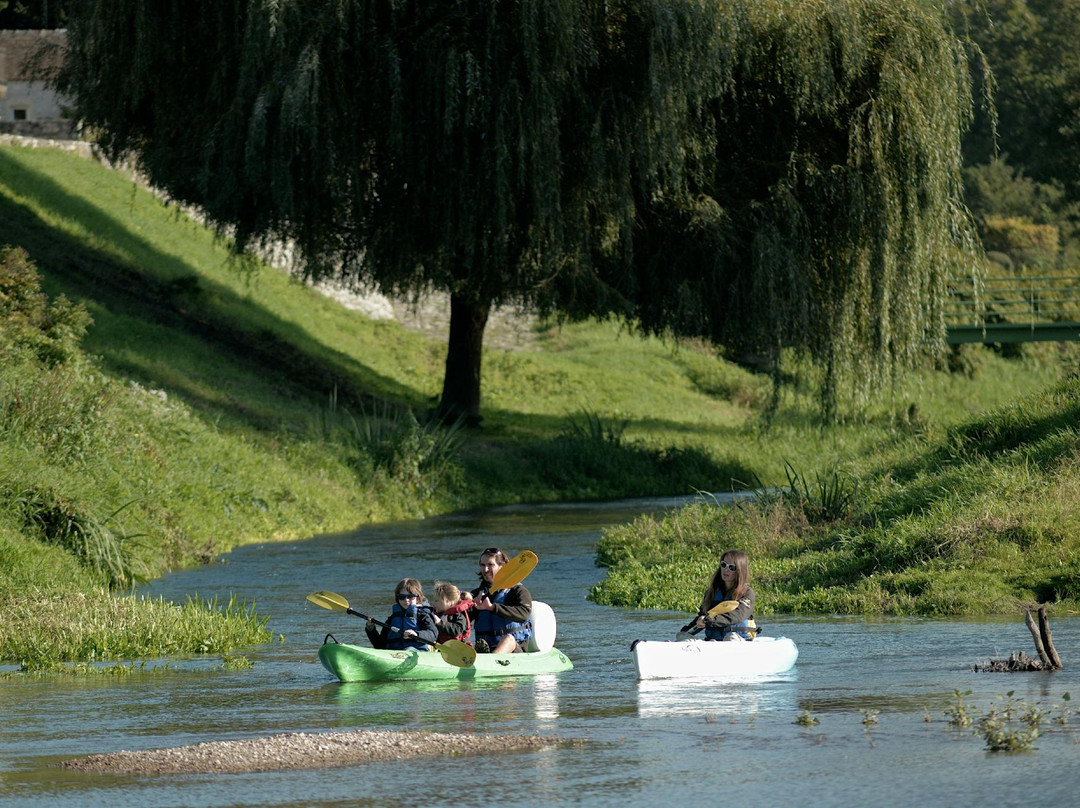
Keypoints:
pixel 1019 661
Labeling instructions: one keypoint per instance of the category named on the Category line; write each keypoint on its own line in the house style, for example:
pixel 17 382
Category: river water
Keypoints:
pixel 640 743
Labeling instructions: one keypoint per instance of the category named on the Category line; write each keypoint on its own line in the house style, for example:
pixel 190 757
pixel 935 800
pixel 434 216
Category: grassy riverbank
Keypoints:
pixel 983 519
pixel 191 406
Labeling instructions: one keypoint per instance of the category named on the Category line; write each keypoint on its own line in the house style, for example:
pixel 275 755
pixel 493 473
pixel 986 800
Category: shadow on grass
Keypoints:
pixel 161 322
pixel 170 311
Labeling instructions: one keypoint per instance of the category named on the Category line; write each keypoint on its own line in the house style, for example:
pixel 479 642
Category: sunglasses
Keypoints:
pixel 407 596
pixel 726 566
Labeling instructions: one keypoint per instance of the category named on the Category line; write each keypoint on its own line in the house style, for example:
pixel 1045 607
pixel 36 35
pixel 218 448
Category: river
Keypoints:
pixel 640 743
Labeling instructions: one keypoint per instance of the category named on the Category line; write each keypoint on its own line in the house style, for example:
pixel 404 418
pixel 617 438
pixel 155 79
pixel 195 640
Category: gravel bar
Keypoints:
pixel 303 750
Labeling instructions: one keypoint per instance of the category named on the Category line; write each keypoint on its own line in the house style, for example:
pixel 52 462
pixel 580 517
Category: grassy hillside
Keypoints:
pixel 206 404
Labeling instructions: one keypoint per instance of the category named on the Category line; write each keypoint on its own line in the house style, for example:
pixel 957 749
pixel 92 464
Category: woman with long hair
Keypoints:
pixel 730 583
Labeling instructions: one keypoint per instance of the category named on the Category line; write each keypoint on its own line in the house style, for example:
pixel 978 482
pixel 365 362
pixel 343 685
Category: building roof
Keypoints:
pixel 18 50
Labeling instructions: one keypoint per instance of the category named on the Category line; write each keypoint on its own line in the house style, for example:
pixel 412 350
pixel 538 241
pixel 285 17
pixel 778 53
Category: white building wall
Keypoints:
pixel 21 98
pixel 28 100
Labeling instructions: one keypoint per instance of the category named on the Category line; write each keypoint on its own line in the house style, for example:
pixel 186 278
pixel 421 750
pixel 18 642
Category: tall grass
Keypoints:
pixel 388 441
pixel 40 632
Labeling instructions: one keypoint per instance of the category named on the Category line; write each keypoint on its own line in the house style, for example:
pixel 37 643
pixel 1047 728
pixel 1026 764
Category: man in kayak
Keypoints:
pixel 501 619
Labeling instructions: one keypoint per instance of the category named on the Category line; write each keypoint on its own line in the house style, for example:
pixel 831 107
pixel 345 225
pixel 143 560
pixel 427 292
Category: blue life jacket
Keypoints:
pixel 492 628
pixel 404 619
pixel 720 632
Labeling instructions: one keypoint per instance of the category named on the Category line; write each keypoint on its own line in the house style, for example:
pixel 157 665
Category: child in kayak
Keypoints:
pixel 410 625
pixel 730 582
pixel 450 610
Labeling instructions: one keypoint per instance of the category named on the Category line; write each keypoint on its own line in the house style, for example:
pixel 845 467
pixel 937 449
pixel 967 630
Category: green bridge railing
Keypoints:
pixel 1038 309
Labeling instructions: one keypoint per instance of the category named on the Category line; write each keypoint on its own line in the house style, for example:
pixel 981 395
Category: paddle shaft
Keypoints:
pixel 350 610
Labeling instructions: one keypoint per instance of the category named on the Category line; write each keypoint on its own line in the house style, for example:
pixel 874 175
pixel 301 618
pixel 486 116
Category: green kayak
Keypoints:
pixel 355 663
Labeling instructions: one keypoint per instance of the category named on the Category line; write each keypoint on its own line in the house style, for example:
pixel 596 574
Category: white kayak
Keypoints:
pixel 703 659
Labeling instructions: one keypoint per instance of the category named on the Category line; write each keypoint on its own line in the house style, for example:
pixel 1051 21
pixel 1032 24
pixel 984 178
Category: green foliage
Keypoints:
pixel 390 440
pixel 763 173
pixel 833 496
pixel 233 662
pixel 959 714
pixel 807 718
pixel 1026 243
pixel 200 363
pixel 589 427
pixel 99 544
pixel 999 727
pixel 838 130
pixel 1047 237
pixel 595 462
pixel 28 321
pixel 1035 78
pixel 1050 416
pixel 997 188
pixel 725 380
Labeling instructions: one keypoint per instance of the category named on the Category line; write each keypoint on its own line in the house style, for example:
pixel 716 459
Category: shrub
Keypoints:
pixel 98 543
pixel 51 331
pixel 1025 242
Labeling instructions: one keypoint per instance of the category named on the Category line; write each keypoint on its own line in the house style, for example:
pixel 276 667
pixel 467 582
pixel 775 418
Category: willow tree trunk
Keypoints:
pixel 461 384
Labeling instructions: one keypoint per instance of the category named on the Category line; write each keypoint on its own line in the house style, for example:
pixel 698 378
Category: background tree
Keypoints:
pixel 823 210
pixel 1030 49
pixel 764 173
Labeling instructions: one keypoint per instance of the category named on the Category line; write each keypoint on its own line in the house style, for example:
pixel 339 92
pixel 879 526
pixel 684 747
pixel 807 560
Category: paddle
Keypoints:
pixel 454 652
pixel 514 571
pixel 723 607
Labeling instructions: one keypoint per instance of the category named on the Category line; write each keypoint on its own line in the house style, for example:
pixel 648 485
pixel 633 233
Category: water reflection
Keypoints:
pixel 464 706
pixel 740 697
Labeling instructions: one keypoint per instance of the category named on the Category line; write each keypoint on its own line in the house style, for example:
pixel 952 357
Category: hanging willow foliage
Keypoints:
pixel 828 215
pixel 767 173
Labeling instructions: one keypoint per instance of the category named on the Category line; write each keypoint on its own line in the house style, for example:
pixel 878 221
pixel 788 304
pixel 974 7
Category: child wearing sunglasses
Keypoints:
pixel 410 625
pixel 730 582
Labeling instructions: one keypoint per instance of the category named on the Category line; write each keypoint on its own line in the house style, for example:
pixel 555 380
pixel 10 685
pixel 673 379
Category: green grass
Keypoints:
pixel 210 403
pixel 41 632
pixel 983 519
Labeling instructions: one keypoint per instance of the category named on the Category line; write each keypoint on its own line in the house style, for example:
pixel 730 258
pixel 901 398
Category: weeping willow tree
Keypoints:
pixel 768 174
pixel 825 215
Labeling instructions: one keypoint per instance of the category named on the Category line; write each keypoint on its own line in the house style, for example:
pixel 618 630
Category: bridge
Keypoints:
pixel 1036 309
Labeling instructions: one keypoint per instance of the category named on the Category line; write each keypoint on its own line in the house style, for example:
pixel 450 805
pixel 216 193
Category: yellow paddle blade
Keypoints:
pixel 457 653
pixel 723 607
pixel 329 600
pixel 514 571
